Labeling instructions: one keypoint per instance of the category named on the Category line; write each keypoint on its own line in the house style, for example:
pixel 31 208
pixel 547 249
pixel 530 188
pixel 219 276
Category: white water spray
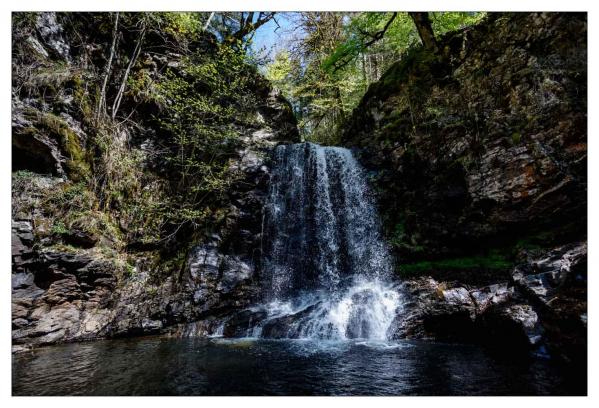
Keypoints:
pixel 326 269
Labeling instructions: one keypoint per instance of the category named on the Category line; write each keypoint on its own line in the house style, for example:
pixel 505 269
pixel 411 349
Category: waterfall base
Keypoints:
pixel 364 310
pixel 326 269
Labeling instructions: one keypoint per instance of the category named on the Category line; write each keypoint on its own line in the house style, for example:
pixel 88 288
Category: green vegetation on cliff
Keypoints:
pixel 326 71
pixel 140 113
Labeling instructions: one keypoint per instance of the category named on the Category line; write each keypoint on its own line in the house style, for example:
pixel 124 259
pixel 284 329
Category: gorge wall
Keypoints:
pixel 84 264
pixel 479 156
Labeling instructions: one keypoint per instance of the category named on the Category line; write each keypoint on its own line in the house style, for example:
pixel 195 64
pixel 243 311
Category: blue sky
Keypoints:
pixel 272 41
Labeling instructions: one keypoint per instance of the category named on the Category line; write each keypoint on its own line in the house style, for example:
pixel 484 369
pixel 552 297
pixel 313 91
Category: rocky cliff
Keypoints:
pixel 85 263
pixel 478 154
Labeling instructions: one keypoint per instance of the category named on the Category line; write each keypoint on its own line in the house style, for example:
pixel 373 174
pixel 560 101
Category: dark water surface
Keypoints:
pixel 166 366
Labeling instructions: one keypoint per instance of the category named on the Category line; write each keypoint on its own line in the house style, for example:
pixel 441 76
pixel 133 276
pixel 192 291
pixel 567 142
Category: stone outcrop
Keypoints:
pixel 542 308
pixel 484 144
pixel 478 154
pixel 60 296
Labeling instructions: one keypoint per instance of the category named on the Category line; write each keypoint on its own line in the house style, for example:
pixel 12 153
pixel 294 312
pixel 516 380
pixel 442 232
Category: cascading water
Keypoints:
pixel 325 267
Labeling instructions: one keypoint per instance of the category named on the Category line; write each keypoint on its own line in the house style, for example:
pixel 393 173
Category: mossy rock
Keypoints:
pixel 69 142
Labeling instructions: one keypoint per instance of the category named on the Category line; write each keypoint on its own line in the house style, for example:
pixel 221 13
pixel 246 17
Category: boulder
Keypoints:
pixel 512 328
pixel 287 326
pixel 240 324
pixel 543 278
pixel 51 33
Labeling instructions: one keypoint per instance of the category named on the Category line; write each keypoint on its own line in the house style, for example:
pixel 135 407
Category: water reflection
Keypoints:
pixel 164 366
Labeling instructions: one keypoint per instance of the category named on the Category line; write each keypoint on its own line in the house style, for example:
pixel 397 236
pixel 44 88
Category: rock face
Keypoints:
pixel 74 284
pixel 478 154
pixel 71 296
pixel 483 143
pixel 542 308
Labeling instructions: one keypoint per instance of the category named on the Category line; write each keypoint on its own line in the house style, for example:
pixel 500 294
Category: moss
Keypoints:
pixel 59 228
pixel 415 66
pixel 22 175
pixel 70 144
pixel 82 98
pixel 516 138
pixel 494 261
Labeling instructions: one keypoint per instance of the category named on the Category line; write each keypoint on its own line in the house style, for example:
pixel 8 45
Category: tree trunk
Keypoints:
pixel 102 102
pixel 208 22
pixel 425 30
pixel 119 95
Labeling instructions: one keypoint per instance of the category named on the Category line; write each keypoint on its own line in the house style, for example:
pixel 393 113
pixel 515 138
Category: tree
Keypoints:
pixel 237 28
pixel 425 30
pixel 101 110
pixel 330 64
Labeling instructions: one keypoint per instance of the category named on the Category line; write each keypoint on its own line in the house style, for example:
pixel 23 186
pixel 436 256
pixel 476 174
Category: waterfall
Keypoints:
pixel 326 270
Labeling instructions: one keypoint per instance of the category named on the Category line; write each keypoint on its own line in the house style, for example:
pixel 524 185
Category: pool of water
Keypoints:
pixel 167 366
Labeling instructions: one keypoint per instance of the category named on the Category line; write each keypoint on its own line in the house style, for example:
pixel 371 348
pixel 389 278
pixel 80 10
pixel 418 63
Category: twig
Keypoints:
pixel 102 101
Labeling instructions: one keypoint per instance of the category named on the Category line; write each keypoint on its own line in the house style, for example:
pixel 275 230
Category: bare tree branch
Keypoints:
pixel 208 21
pixel 136 51
pixel 247 25
pixel 102 102
pixel 374 37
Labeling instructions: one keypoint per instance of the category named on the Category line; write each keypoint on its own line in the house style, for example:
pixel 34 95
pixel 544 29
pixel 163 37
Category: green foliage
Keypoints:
pixel 182 25
pixel 205 104
pixel 446 21
pixel 493 261
pixel 69 197
pixel 23 22
pixel 333 65
pixel 22 176
pixel 282 73
pixel 59 228
pixel 516 138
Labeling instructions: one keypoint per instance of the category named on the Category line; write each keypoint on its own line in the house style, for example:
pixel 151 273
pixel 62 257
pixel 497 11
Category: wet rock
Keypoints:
pixel 542 278
pixel 458 297
pixel 556 285
pixel 287 326
pixel 514 328
pixel 241 323
pixel 542 310
pixel 199 328
pixel 234 273
pixel 204 262
pixel 492 295
pixel 151 326
pixel 50 324
pixel 438 310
